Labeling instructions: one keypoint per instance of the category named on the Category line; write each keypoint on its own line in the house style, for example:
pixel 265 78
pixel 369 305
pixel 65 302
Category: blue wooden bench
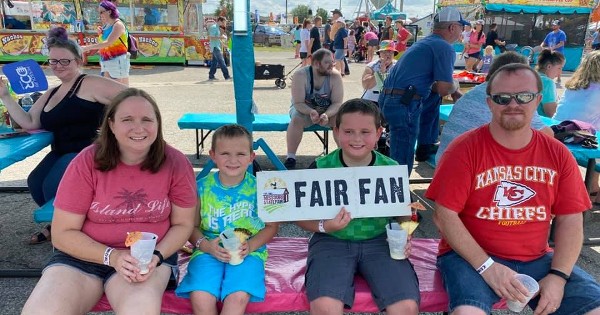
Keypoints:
pixel 44 213
pixel 262 122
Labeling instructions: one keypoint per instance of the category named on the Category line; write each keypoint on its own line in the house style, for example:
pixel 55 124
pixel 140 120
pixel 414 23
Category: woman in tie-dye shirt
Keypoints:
pixel 112 44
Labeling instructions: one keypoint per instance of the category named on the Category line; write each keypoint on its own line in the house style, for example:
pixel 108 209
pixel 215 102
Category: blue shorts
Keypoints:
pixel 466 287
pixel 339 54
pixel 99 271
pixel 332 264
pixel 206 273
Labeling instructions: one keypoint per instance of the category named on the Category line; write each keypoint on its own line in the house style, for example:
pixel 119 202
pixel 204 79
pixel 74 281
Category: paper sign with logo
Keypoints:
pixel 25 76
pixel 314 194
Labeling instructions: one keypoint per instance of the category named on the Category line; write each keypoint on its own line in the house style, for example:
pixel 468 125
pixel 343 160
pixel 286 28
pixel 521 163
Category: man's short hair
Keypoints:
pixel 317 18
pixel 513 68
pixel 320 54
pixel 504 59
pixel 493 25
pixel 359 105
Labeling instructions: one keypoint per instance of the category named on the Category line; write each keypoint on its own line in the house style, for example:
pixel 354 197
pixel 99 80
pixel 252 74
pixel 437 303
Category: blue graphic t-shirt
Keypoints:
pixel 223 207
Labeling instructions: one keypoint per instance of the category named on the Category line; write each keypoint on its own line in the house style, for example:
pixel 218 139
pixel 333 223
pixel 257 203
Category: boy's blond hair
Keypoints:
pixel 228 132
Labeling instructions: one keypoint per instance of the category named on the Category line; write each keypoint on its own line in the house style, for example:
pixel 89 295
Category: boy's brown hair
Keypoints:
pixel 230 131
pixel 359 105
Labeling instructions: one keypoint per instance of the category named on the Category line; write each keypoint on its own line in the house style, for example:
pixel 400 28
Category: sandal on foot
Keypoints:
pixel 42 236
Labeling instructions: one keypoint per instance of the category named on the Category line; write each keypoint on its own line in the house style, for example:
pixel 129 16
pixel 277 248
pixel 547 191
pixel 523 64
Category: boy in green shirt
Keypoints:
pixel 343 246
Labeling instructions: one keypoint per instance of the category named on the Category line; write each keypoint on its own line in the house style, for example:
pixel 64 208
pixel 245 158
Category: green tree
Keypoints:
pixel 323 14
pixel 301 11
pixel 225 9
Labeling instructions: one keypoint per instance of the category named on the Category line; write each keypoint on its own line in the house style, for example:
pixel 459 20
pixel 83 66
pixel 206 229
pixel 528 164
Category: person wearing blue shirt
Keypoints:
pixel 555 41
pixel 215 37
pixel 427 66
pixel 596 40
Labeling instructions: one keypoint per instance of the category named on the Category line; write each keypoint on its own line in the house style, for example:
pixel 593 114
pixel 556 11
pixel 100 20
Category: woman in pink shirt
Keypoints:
pixel 476 41
pixel 129 180
pixel 372 43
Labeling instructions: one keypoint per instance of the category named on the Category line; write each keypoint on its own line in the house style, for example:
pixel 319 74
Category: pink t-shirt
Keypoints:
pixel 370 35
pixel 505 198
pixel 126 198
pixel 474 41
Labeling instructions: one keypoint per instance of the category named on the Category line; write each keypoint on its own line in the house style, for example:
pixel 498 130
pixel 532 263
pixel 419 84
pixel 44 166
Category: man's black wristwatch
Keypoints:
pixel 160 257
pixel 560 274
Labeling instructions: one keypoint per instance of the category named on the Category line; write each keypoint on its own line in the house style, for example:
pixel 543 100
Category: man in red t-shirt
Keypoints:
pixel 496 190
pixel 402 38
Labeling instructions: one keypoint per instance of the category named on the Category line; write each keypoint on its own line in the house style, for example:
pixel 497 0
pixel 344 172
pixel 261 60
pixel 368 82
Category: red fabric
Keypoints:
pixel 400 38
pixel 285 281
pixel 505 196
pixel 469 77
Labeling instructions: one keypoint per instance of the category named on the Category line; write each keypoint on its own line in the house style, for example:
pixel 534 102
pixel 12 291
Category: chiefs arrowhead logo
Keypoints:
pixel 511 194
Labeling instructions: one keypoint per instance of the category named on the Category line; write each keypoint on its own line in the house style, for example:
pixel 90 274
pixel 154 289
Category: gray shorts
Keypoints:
pixel 373 42
pixel 307 122
pixel 332 264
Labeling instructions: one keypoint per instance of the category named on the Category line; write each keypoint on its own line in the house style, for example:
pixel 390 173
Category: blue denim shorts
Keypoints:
pixel 339 54
pixel 117 67
pixel 99 271
pixel 332 264
pixel 466 287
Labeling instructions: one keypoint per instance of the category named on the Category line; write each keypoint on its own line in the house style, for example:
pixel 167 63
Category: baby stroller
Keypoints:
pixel 360 53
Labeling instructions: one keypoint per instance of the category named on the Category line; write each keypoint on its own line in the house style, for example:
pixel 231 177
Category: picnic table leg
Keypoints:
pixel 261 143
pixel 589 172
pixel 324 140
pixel 198 145
pixel 326 143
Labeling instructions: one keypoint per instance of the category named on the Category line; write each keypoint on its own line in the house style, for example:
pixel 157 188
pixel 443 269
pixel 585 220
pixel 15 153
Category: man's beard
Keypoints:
pixel 512 124
pixel 324 71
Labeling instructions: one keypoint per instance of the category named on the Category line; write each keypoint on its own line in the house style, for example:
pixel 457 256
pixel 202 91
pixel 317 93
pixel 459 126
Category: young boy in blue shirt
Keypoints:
pixel 342 246
pixel 227 200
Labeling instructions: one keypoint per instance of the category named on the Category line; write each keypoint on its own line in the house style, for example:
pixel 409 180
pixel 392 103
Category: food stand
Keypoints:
pixel 157 24
pixel 527 22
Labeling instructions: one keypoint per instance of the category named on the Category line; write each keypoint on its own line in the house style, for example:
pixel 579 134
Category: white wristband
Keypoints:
pixel 485 266
pixel 199 241
pixel 322 226
pixel 106 258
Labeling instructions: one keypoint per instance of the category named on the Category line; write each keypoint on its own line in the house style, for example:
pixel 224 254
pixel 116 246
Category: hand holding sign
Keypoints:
pixel 25 77
pixel 339 222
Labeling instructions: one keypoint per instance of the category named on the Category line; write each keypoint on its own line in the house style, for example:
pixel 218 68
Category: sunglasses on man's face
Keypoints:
pixel 505 98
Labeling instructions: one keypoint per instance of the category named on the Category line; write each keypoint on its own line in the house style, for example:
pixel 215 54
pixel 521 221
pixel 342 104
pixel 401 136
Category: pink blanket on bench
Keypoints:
pixel 285 270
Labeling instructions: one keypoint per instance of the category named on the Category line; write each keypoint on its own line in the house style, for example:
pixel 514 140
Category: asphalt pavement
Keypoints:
pixel 179 90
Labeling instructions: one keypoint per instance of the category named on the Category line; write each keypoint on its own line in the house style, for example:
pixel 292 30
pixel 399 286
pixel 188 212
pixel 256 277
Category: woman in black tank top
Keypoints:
pixel 72 111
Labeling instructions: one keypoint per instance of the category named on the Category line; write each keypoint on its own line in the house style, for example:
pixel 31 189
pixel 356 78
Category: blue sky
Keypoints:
pixel 349 7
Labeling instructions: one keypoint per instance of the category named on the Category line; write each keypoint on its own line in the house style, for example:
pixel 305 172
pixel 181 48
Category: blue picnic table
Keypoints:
pixel 15 149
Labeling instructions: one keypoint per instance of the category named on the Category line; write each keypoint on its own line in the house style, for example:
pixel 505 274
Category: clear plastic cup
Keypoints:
pixel 143 250
pixel 232 244
pixel 397 238
pixel 532 286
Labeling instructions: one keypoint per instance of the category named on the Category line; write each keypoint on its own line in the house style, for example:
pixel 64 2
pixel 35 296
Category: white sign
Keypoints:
pixel 314 194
